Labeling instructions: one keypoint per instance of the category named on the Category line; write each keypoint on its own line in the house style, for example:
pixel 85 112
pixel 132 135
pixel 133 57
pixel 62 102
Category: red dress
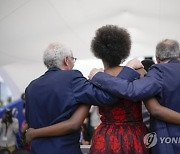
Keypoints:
pixel 121 131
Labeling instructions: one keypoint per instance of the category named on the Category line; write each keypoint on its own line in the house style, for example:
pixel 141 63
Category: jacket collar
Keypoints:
pixel 174 61
pixel 53 69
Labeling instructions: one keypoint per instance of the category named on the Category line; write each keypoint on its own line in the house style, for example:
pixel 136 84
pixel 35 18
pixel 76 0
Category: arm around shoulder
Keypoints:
pixel 139 89
pixel 86 92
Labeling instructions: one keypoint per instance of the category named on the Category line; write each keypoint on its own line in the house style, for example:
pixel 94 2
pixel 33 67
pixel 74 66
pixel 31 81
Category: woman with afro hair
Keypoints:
pixel 122 128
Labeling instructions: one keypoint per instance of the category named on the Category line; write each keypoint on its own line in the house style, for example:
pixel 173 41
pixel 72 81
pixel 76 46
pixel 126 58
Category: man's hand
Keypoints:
pixel 93 72
pixel 29 135
pixel 135 63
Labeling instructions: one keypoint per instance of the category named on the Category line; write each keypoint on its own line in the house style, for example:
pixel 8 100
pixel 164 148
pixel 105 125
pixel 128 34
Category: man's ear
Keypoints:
pixel 66 61
pixel 158 60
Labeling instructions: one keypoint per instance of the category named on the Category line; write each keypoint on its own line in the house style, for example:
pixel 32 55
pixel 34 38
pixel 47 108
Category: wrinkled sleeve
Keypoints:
pixel 134 90
pixel 84 91
pixel 129 74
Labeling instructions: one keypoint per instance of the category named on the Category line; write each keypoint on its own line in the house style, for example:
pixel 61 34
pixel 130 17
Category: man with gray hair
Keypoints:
pixel 55 95
pixel 161 81
pixel 167 50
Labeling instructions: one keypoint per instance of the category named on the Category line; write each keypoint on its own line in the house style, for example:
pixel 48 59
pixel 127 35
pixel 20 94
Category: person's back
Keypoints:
pixel 50 98
pixel 122 128
pixel 168 97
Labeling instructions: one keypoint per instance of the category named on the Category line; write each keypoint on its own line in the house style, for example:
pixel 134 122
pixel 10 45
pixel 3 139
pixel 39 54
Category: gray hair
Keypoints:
pixel 54 55
pixel 167 49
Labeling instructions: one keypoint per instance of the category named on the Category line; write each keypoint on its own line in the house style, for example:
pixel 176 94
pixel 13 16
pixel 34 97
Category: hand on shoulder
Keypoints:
pixel 93 72
pixel 135 63
pixel 142 72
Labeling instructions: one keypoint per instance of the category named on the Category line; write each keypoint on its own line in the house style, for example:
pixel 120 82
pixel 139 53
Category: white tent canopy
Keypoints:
pixel 28 26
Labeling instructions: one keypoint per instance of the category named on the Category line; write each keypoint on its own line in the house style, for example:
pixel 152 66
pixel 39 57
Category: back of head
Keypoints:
pixel 54 55
pixel 111 44
pixel 167 49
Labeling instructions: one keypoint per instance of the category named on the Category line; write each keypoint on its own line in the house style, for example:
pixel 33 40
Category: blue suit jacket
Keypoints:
pixel 52 98
pixel 162 81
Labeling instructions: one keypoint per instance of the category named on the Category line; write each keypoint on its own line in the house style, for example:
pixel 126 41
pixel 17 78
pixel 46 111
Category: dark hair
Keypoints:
pixel 147 63
pixel 112 44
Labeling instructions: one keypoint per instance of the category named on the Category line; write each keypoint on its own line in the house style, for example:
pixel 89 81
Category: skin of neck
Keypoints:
pixel 161 61
pixel 64 67
pixel 114 71
pixel 106 66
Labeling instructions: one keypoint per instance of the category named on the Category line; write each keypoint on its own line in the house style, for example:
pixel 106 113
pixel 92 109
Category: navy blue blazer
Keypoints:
pixel 52 98
pixel 162 81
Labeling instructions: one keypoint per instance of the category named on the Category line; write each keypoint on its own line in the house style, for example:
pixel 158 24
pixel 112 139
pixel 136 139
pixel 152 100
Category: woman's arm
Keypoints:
pixel 62 128
pixel 162 113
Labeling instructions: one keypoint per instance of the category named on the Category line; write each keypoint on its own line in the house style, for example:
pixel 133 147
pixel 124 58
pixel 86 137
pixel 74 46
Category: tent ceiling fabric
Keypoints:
pixel 28 26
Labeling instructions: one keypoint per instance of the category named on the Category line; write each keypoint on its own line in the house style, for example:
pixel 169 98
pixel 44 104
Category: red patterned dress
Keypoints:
pixel 121 131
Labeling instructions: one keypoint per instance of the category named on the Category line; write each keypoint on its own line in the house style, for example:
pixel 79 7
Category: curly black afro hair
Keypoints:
pixel 111 44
